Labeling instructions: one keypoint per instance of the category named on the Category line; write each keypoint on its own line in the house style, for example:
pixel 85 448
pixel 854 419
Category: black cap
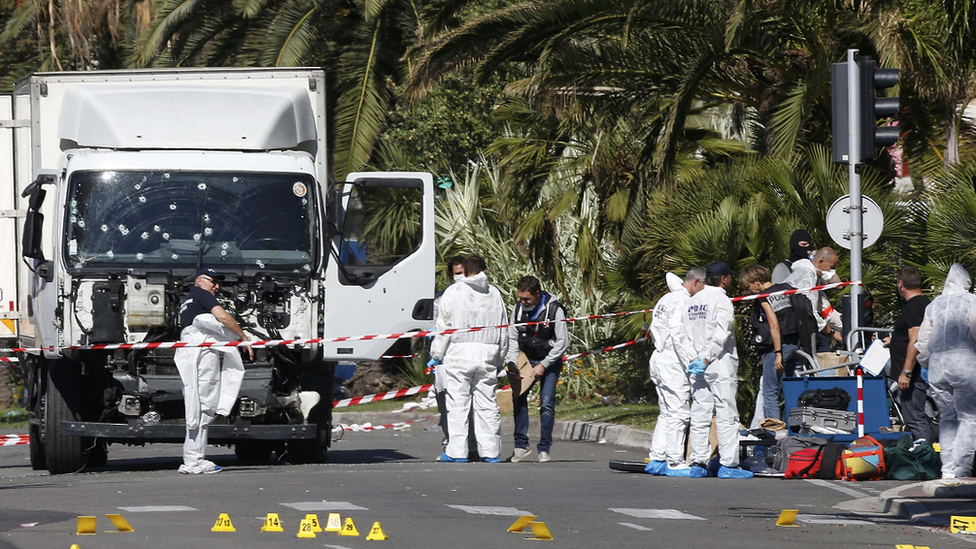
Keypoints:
pixel 207 271
pixel 718 268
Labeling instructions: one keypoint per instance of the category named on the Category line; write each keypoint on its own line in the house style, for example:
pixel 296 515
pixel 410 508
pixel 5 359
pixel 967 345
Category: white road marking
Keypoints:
pixel 831 519
pixel 635 526
pixel 157 509
pixel 324 506
pixel 336 546
pixel 841 489
pixel 657 514
pixel 490 510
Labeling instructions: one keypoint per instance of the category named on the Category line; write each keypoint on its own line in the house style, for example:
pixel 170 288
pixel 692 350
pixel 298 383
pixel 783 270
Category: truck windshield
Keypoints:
pixel 148 218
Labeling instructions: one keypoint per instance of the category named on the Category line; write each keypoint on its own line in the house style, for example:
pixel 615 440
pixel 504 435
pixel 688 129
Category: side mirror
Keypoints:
pixel 334 211
pixel 423 309
pixel 33 225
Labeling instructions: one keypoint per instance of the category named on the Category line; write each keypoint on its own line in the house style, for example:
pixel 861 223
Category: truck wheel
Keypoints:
pixel 253 451
pixel 310 450
pixel 65 453
pixel 35 401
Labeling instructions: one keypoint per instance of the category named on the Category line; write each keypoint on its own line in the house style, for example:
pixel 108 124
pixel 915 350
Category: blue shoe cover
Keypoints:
pixel 492 460
pixel 734 472
pixel 656 468
pixel 680 472
pixel 697 471
pixel 449 459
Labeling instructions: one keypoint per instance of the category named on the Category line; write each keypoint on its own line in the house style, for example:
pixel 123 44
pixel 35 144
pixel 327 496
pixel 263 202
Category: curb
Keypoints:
pixel 609 433
pixel 911 502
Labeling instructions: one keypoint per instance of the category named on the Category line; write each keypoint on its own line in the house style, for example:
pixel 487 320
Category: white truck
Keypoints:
pixel 116 186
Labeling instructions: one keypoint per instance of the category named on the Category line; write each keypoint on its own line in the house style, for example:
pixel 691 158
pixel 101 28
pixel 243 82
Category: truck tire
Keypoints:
pixel 35 402
pixel 65 453
pixel 253 451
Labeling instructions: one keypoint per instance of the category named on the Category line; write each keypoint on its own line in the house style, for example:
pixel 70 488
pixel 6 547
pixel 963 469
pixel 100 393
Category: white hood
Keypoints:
pixel 478 282
pixel 958 280
pixel 674 281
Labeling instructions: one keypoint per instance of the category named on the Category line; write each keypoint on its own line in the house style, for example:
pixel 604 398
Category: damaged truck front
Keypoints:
pixel 138 178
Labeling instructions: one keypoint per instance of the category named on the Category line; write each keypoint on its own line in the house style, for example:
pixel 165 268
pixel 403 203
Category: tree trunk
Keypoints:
pixel 6 386
pixel 952 141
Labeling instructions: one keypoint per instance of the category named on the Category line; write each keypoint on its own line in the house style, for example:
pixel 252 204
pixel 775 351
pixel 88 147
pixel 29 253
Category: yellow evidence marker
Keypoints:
pixel 376 532
pixel 119 522
pixel 519 525
pixel 334 524
pixel 957 525
pixel 74 546
pixel 305 529
pixel 349 528
pixel 223 524
pixel 786 518
pixel 315 522
pixel 86 526
pixel 272 523
pixel 539 530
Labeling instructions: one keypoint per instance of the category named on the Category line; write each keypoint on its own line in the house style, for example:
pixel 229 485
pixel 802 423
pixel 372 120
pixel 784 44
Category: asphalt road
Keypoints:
pixel 391 477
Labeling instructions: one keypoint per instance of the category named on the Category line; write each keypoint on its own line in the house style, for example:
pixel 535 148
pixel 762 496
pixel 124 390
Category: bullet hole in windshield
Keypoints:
pixel 202 186
pixel 172 207
pixel 142 199
pixel 124 230
pixel 139 256
pixel 157 228
pixel 208 231
pixel 165 236
pixel 110 254
pixel 196 237
pixel 144 236
pixel 104 228
pixel 259 263
pixel 175 257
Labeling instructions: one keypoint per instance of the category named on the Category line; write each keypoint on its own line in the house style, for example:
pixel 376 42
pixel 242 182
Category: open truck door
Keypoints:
pixel 380 272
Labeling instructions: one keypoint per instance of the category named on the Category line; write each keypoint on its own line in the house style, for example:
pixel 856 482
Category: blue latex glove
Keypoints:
pixel 696 367
pixel 433 362
pixel 430 337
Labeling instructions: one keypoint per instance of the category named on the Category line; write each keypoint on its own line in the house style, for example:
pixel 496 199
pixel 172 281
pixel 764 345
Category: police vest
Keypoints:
pixel 536 341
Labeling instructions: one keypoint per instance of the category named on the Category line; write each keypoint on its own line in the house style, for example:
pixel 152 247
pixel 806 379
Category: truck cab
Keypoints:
pixel 137 179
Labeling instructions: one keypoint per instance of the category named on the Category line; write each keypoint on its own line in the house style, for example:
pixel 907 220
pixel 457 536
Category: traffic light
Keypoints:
pixel 871 107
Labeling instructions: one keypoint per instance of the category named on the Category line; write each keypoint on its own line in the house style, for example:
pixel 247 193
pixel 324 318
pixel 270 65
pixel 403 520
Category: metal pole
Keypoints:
pixel 853 158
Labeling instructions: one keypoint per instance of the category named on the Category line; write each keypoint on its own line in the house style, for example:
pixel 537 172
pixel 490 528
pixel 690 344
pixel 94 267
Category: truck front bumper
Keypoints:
pixel 176 432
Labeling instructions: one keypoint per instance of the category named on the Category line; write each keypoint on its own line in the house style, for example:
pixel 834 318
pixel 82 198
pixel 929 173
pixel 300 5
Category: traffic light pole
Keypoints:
pixel 854 147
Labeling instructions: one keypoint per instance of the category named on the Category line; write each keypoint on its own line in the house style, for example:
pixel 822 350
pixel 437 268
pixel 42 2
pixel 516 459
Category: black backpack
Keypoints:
pixel 806 322
pixel 833 399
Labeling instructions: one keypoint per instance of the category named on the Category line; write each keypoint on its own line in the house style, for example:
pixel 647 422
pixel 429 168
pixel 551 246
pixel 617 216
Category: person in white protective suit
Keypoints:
pixel 455 270
pixel 211 377
pixel 471 361
pixel 710 321
pixel 813 272
pixel 672 355
pixel 947 347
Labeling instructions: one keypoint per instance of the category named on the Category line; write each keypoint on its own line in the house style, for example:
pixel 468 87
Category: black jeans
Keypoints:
pixel 912 404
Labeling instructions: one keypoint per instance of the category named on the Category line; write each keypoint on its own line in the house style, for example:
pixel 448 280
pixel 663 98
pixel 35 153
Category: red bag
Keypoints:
pixel 804 463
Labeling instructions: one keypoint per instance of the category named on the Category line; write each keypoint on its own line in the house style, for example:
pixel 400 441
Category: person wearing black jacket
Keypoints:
pixel 544 345
pixel 775 335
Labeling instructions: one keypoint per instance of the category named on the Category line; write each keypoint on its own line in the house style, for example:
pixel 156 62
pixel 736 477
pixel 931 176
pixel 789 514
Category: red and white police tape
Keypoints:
pixel 389 395
pixel 9 359
pixel 14 440
pixel 359 428
pixel 403 335
pixel 798 290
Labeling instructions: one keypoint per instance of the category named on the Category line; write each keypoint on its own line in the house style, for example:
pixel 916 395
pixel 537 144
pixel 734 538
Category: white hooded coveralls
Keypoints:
pixel 471 363
pixel 672 353
pixel 805 275
pixel 710 321
pixel 947 347
pixel 210 385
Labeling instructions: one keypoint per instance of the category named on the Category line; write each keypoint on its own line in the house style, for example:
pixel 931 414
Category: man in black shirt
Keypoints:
pixel 912 381
pixel 210 384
